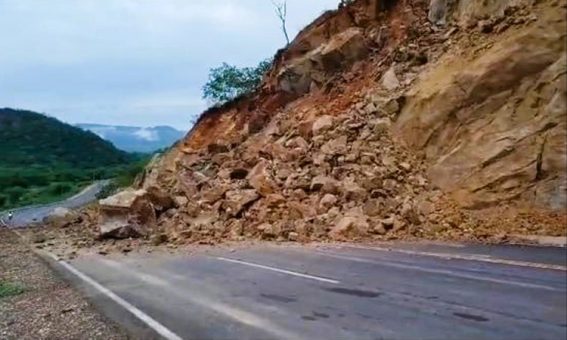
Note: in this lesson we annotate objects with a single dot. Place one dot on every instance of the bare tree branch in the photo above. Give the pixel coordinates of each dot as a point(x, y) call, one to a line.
point(281, 12)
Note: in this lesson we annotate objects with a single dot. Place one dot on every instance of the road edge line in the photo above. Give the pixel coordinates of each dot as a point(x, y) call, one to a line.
point(477, 258)
point(52, 259)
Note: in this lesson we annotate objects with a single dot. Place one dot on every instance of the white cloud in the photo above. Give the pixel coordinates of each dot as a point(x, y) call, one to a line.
point(131, 62)
point(147, 134)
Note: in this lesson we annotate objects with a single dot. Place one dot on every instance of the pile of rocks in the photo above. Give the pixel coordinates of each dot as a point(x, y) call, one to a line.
point(312, 173)
point(328, 177)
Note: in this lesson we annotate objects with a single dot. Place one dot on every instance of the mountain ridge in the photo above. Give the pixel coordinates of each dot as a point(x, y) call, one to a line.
point(43, 159)
point(135, 138)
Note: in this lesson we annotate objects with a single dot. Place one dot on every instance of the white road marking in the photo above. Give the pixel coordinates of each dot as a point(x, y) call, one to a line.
point(148, 320)
point(440, 271)
point(473, 257)
point(283, 271)
point(211, 303)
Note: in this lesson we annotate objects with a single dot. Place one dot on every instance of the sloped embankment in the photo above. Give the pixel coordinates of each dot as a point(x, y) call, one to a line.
point(376, 123)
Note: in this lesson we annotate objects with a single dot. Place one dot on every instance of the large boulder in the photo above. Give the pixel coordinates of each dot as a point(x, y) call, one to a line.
point(236, 200)
point(314, 67)
point(261, 179)
point(129, 213)
point(350, 226)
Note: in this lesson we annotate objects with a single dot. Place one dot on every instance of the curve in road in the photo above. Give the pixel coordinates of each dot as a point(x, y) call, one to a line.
point(27, 215)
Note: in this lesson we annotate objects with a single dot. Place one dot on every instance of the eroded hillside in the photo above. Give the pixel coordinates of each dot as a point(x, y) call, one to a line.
point(381, 119)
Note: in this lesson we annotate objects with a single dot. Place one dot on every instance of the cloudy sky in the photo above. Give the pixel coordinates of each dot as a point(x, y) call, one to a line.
point(132, 62)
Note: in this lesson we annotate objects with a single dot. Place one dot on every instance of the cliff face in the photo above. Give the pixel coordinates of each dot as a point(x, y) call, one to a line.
point(374, 122)
point(491, 120)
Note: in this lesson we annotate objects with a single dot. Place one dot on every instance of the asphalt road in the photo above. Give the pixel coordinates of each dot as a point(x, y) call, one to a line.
point(27, 215)
point(347, 292)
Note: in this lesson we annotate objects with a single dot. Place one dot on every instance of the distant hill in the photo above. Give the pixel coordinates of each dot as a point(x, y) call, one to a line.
point(43, 159)
point(30, 138)
point(136, 139)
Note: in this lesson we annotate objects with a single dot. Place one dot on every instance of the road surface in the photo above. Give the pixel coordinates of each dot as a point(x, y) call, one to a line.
point(334, 292)
point(26, 215)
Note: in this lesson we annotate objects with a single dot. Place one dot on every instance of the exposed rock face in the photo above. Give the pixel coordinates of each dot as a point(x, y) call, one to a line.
point(494, 125)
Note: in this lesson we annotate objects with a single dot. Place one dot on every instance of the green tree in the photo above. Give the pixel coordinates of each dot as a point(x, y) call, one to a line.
point(228, 82)
point(60, 188)
point(15, 193)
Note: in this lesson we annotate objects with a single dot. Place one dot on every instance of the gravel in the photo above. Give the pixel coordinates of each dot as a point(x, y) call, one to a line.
point(48, 307)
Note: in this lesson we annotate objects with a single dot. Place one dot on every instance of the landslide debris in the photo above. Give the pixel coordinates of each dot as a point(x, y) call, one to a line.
point(376, 123)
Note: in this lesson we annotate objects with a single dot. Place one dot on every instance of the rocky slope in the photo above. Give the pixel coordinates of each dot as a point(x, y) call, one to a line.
point(381, 119)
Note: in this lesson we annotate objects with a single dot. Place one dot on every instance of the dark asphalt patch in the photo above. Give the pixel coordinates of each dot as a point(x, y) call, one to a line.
point(278, 298)
point(471, 317)
point(354, 292)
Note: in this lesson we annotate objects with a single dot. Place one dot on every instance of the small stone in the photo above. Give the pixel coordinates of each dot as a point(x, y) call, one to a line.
point(269, 231)
point(158, 239)
point(381, 125)
point(38, 238)
point(378, 229)
point(370, 108)
point(485, 26)
point(293, 236)
point(390, 80)
point(353, 191)
point(328, 201)
point(214, 148)
point(406, 166)
point(324, 184)
point(337, 146)
point(372, 207)
point(388, 223)
point(322, 124)
point(67, 310)
point(399, 224)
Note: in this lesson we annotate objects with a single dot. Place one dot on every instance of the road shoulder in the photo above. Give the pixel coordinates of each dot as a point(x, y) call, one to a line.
point(45, 306)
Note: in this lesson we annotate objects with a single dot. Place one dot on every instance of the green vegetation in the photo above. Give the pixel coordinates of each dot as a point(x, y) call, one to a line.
point(10, 289)
point(44, 160)
point(228, 82)
point(125, 177)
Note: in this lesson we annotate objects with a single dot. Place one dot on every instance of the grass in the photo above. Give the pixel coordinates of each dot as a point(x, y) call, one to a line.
point(43, 160)
point(10, 289)
point(32, 195)
point(20, 186)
